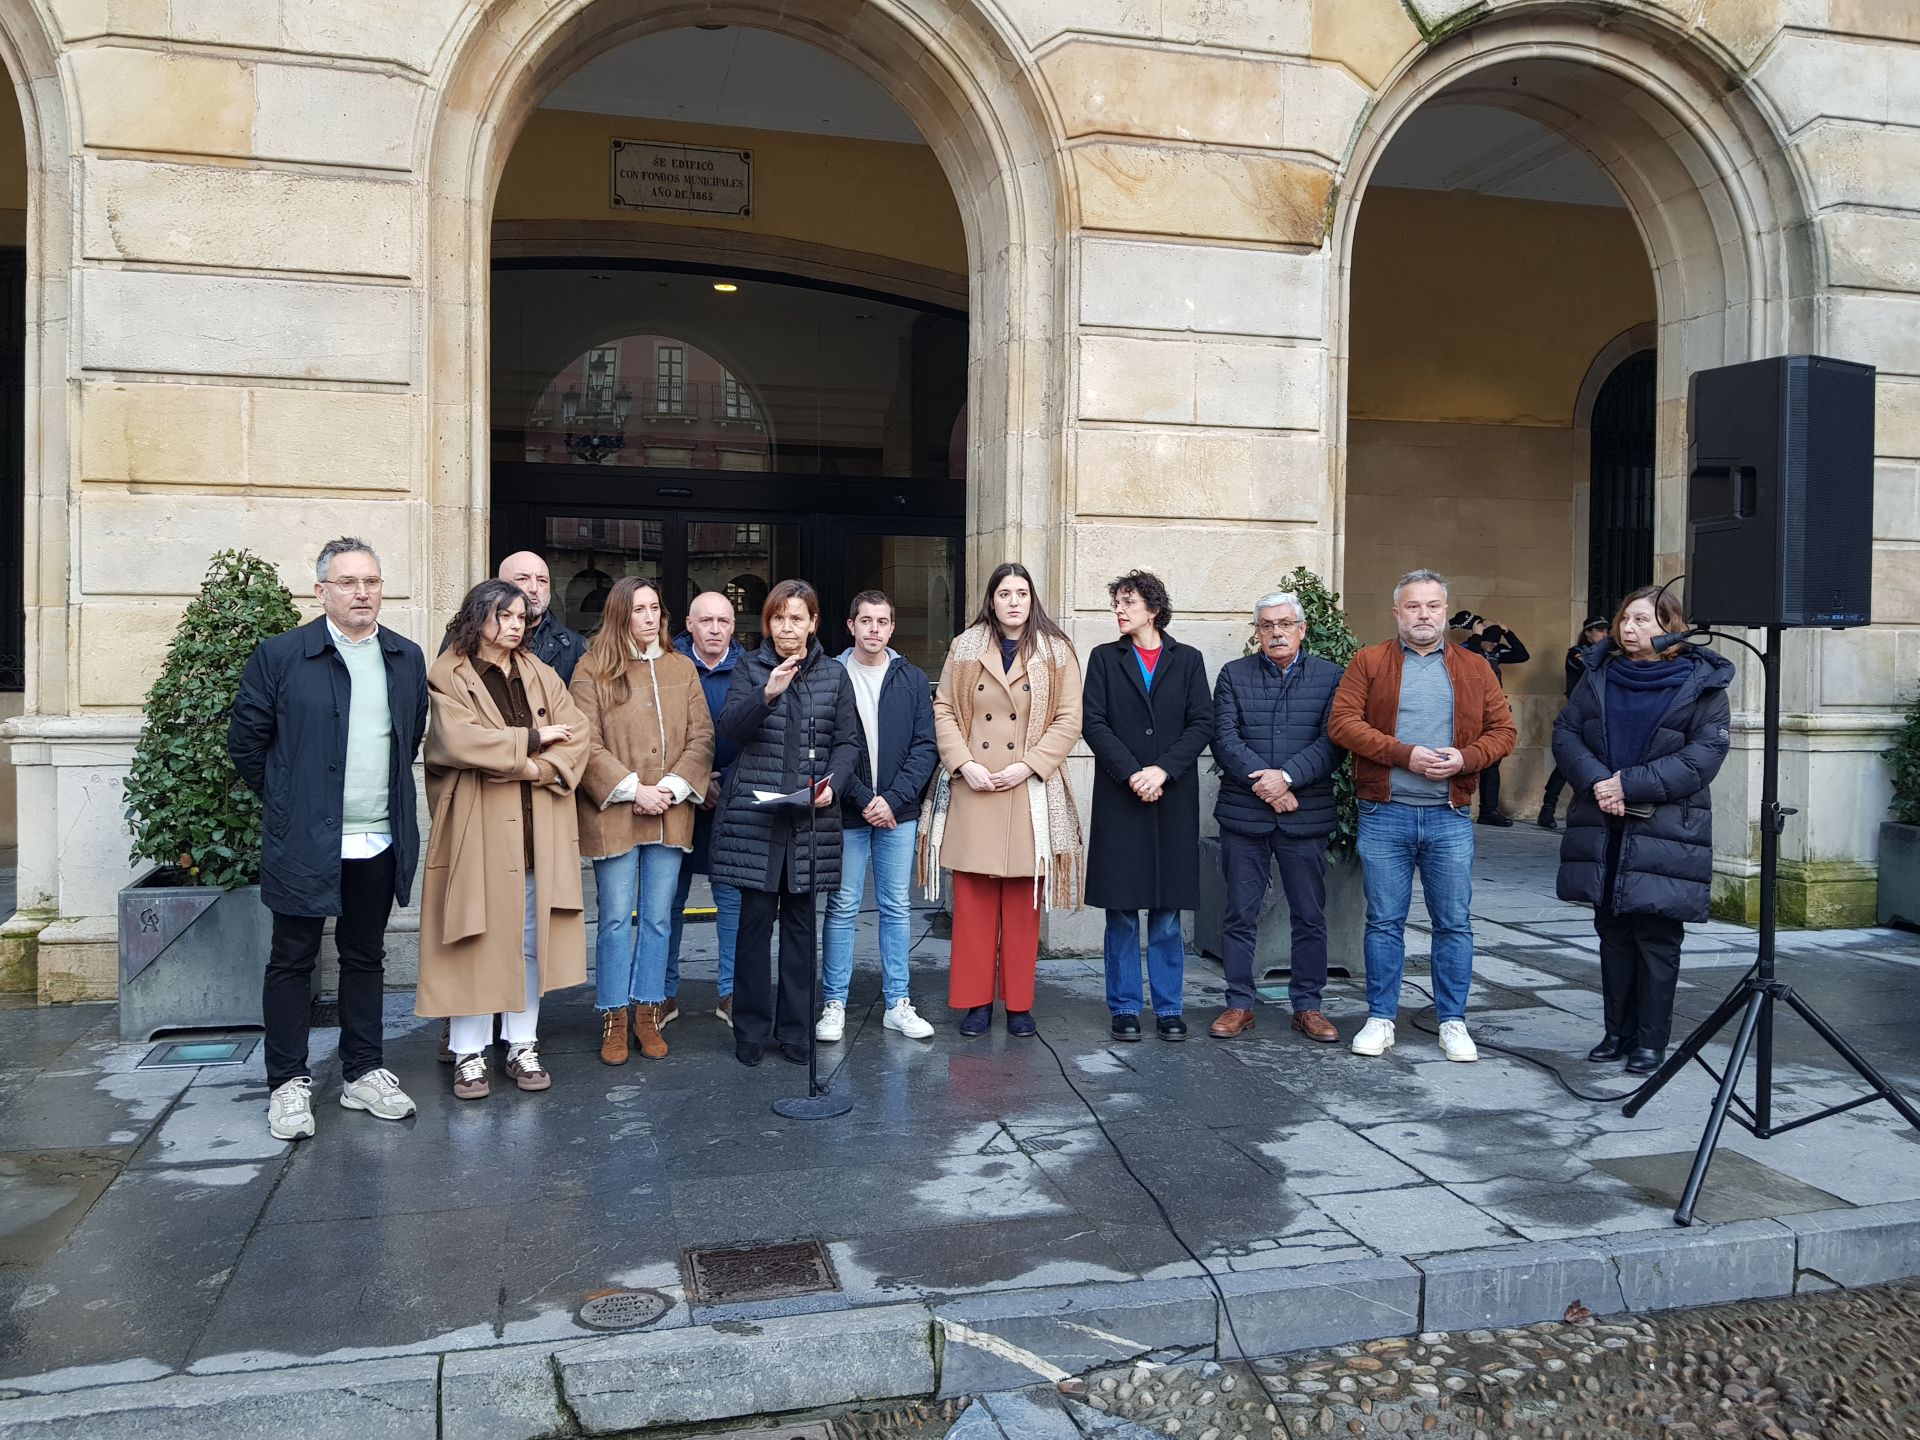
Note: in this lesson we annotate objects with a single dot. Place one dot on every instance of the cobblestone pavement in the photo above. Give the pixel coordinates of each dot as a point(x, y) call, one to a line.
point(1821, 1367)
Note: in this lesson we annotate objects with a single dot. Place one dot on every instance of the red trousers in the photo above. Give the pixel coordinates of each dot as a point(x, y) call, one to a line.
point(993, 918)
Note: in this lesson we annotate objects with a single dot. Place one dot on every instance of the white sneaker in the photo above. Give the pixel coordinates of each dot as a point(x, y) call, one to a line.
point(833, 1022)
point(1455, 1043)
point(1375, 1037)
point(378, 1093)
point(903, 1017)
point(290, 1110)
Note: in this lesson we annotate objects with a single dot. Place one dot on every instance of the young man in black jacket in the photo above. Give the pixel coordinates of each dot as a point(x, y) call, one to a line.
point(879, 816)
point(1498, 646)
point(1591, 634)
point(1275, 807)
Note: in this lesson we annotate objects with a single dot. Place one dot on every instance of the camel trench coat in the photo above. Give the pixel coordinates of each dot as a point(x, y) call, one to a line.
point(663, 727)
point(992, 833)
point(473, 899)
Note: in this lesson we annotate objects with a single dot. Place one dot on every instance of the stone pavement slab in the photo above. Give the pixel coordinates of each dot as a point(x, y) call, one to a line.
point(1326, 1194)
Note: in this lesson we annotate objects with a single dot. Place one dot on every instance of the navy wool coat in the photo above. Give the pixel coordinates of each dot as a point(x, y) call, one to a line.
point(1144, 856)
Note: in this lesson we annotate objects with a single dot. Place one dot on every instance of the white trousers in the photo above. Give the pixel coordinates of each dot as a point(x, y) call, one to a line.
point(471, 1034)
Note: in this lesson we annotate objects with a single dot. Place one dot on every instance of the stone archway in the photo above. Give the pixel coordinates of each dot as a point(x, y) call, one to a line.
point(1718, 208)
point(952, 73)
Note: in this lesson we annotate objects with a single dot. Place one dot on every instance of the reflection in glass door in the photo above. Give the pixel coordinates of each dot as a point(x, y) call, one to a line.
point(741, 558)
point(920, 574)
point(587, 554)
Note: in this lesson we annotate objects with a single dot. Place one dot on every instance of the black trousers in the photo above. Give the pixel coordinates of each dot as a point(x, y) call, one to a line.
point(1247, 860)
point(769, 1007)
point(1490, 789)
point(1639, 967)
point(360, 934)
point(1556, 782)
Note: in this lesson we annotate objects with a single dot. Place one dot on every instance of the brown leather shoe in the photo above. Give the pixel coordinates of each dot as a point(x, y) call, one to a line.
point(445, 1053)
point(470, 1077)
point(723, 1007)
point(1315, 1026)
point(1232, 1024)
point(646, 1030)
point(613, 1036)
point(669, 1013)
point(523, 1064)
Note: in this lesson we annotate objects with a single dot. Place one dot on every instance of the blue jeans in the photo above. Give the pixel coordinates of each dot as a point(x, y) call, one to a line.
point(891, 852)
point(726, 925)
point(629, 957)
point(1166, 961)
point(1396, 839)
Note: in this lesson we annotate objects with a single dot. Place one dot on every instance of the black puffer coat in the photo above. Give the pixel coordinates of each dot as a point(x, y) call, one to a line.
point(752, 843)
point(1263, 720)
point(1666, 860)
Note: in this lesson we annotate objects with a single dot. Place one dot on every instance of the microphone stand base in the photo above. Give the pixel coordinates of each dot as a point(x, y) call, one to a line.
point(813, 1107)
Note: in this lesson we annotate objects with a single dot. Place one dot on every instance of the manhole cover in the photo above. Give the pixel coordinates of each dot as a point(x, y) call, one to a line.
point(624, 1309)
point(731, 1274)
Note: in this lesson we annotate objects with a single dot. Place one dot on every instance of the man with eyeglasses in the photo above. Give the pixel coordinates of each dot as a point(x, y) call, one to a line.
point(1275, 807)
point(325, 728)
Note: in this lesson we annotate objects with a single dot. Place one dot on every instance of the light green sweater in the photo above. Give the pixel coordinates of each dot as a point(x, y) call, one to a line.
point(369, 740)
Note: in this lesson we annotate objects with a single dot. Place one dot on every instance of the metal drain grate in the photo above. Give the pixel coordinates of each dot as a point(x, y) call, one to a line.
point(624, 1309)
point(731, 1274)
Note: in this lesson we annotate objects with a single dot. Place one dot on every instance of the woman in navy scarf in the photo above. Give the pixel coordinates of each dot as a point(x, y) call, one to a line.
point(1640, 740)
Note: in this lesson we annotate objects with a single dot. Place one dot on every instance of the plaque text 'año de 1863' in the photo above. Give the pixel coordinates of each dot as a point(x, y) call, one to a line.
point(695, 179)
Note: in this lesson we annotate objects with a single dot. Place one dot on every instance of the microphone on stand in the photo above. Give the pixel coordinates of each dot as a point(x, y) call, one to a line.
point(1681, 637)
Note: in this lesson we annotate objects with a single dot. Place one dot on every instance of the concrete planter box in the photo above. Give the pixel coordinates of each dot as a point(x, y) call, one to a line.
point(1273, 947)
point(191, 957)
point(1899, 890)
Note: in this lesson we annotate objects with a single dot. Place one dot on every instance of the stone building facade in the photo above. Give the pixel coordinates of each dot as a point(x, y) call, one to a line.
point(1234, 286)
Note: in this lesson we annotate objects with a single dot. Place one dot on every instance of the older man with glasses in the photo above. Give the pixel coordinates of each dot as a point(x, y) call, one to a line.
point(1275, 807)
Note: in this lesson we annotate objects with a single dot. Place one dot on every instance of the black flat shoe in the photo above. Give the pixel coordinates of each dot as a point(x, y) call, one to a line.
point(1171, 1027)
point(1497, 820)
point(976, 1022)
point(793, 1054)
point(1020, 1023)
point(1610, 1048)
point(1547, 821)
point(749, 1054)
point(1125, 1027)
point(1645, 1062)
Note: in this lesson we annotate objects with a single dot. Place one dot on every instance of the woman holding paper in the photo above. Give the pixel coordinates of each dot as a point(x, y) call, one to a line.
point(791, 711)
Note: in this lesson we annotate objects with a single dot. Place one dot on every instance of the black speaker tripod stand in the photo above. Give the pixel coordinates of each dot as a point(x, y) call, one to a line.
point(1754, 999)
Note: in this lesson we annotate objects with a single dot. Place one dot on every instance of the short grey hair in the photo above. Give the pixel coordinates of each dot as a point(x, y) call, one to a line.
point(1275, 598)
point(1422, 577)
point(345, 545)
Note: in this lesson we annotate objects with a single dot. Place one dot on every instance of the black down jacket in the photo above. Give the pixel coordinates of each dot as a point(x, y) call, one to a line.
point(288, 740)
point(1144, 856)
point(1666, 860)
point(752, 843)
point(1263, 720)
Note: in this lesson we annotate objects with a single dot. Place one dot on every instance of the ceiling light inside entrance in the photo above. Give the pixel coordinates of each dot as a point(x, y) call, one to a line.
point(725, 287)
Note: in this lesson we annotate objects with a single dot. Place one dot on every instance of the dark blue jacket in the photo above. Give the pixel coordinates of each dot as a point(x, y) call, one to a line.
point(1263, 720)
point(288, 739)
point(908, 750)
point(554, 643)
point(1666, 860)
point(713, 684)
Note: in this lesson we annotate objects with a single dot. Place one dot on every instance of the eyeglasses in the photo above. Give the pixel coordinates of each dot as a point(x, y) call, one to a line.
point(1271, 627)
point(355, 587)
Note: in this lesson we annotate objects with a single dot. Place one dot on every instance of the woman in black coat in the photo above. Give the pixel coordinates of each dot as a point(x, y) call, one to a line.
point(1640, 740)
point(790, 709)
point(1146, 715)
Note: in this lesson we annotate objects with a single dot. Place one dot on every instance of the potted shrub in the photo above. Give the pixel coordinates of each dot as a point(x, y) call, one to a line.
point(1329, 637)
point(1899, 887)
point(193, 933)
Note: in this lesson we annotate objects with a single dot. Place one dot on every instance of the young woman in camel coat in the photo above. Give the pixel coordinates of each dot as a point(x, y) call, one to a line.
point(1006, 714)
point(500, 908)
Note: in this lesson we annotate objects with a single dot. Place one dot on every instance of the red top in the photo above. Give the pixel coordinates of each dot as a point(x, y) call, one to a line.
point(1148, 658)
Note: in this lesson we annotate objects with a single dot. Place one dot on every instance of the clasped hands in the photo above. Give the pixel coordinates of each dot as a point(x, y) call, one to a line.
point(1441, 762)
point(979, 778)
point(1271, 786)
point(1611, 795)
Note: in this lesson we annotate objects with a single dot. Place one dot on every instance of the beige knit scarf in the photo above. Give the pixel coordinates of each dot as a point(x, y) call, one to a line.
point(1057, 846)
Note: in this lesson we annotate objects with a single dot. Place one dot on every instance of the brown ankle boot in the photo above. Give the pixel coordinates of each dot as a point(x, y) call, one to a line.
point(613, 1036)
point(646, 1030)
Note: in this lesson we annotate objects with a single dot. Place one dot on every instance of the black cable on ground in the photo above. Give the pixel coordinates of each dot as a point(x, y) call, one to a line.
point(1535, 1060)
point(1213, 1281)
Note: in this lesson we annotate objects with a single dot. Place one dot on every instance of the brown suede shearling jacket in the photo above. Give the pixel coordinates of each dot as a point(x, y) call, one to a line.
point(1366, 709)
